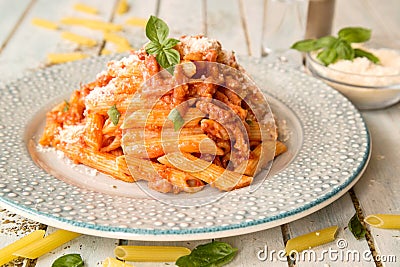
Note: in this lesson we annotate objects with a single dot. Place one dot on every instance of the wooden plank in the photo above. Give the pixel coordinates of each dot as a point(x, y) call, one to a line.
point(27, 50)
point(224, 24)
point(338, 213)
point(183, 17)
point(10, 14)
point(380, 188)
point(93, 250)
point(253, 18)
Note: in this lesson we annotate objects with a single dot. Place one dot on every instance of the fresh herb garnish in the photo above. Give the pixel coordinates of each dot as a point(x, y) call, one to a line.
point(212, 254)
point(335, 48)
point(114, 114)
point(69, 260)
point(160, 45)
point(66, 107)
point(356, 227)
point(176, 118)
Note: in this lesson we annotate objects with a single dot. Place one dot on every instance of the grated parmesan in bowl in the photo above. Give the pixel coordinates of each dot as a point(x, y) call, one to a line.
point(366, 84)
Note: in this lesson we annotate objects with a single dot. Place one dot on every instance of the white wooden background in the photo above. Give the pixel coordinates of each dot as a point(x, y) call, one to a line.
point(237, 24)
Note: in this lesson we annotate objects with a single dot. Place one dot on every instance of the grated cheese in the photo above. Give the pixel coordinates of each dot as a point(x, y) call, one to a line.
point(79, 39)
point(71, 133)
point(44, 23)
point(193, 44)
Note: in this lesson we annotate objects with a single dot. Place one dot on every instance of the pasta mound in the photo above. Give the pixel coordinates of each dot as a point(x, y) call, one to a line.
point(90, 128)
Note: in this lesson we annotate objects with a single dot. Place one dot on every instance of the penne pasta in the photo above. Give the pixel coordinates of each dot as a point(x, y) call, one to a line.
point(150, 253)
point(57, 58)
point(208, 172)
point(7, 253)
point(385, 221)
point(91, 23)
point(46, 244)
point(139, 22)
point(93, 131)
point(79, 39)
point(156, 147)
point(311, 240)
point(44, 23)
point(85, 8)
point(112, 262)
point(122, 7)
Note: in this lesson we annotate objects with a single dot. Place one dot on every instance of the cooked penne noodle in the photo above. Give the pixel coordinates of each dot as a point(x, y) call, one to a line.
point(311, 240)
point(385, 221)
point(57, 58)
point(6, 253)
point(159, 118)
point(44, 23)
point(280, 148)
point(208, 172)
point(156, 147)
point(101, 106)
point(91, 23)
point(85, 8)
point(79, 39)
point(256, 130)
point(46, 244)
point(93, 131)
point(147, 170)
point(112, 262)
point(150, 253)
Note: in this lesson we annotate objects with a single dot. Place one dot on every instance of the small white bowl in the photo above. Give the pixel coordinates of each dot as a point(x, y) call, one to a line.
point(366, 91)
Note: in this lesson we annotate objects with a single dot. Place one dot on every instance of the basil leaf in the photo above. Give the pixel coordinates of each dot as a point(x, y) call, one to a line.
point(69, 260)
point(344, 50)
point(213, 254)
point(170, 43)
point(156, 30)
point(114, 114)
point(66, 107)
point(168, 58)
point(325, 42)
point(153, 48)
point(327, 56)
point(176, 118)
point(356, 227)
point(355, 34)
point(305, 45)
point(362, 53)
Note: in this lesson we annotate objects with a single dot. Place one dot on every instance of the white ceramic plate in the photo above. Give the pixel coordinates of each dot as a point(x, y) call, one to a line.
point(329, 148)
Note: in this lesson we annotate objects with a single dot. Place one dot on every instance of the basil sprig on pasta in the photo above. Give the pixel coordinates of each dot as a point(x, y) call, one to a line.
point(332, 49)
point(160, 45)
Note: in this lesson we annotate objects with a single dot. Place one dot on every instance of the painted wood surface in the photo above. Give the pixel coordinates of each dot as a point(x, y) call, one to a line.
point(238, 25)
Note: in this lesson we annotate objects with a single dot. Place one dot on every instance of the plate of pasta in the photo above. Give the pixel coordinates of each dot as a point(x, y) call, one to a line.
point(211, 147)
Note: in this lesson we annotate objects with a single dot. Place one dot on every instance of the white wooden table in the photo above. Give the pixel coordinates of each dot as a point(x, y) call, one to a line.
point(237, 24)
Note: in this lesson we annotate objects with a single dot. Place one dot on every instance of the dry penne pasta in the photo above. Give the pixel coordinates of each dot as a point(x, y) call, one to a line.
point(7, 253)
point(46, 244)
point(122, 7)
point(91, 23)
point(57, 58)
point(112, 262)
point(79, 39)
point(85, 8)
point(150, 253)
point(311, 240)
point(44, 23)
point(139, 22)
point(385, 221)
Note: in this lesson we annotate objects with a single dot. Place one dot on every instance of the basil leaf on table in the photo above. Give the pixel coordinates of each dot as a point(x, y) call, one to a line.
point(69, 260)
point(356, 228)
point(362, 53)
point(355, 34)
point(213, 254)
